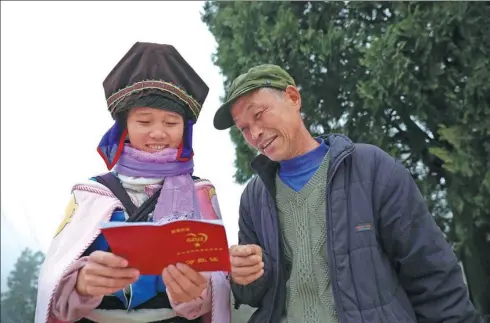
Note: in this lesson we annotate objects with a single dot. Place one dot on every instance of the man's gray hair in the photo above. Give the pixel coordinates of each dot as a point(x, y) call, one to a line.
point(273, 90)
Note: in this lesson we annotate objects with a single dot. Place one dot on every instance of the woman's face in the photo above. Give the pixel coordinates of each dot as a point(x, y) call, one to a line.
point(153, 130)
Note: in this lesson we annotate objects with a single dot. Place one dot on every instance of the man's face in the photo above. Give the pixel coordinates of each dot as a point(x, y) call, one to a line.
point(269, 121)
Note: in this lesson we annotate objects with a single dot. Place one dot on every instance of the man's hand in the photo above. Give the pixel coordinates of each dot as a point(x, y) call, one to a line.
point(104, 274)
point(183, 283)
point(246, 263)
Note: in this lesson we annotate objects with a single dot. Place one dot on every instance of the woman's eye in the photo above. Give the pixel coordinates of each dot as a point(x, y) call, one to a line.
point(143, 121)
point(171, 123)
point(258, 115)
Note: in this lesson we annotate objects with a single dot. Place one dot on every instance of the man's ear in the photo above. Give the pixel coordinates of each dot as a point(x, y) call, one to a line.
point(293, 95)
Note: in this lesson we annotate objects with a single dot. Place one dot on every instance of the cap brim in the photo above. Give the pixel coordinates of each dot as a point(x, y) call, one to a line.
point(222, 118)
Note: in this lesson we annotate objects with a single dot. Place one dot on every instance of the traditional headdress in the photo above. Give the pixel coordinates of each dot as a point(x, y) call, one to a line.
point(156, 76)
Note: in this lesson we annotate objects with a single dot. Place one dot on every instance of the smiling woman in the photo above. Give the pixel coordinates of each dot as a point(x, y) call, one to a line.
point(153, 130)
point(155, 98)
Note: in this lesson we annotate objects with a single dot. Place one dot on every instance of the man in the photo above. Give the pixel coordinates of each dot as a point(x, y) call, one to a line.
point(331, 231)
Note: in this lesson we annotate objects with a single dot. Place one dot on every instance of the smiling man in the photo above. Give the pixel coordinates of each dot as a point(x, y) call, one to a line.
point(331, 231)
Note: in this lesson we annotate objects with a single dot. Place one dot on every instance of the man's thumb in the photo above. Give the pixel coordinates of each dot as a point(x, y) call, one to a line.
point(256, 250)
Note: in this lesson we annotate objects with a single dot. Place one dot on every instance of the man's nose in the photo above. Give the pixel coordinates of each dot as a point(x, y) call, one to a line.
point(256, 132)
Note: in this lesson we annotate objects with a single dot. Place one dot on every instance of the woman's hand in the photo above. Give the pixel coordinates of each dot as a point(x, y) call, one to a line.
point(104, 274)
point(183, 283)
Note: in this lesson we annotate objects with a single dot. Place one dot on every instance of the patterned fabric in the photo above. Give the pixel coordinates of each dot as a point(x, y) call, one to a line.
point(188, 100)
point(302, 220)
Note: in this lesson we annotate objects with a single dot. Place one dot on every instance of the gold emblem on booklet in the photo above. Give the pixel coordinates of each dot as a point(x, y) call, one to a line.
point(197, 239)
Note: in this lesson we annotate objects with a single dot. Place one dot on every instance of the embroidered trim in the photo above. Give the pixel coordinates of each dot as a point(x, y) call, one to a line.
point(82, 187)
point(48, 312)
point(154, 84)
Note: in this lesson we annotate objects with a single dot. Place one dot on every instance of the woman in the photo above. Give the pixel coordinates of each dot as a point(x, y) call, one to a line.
point(155, 98)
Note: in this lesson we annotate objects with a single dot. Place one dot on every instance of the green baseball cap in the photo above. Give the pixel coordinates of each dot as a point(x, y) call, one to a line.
point(266, 75)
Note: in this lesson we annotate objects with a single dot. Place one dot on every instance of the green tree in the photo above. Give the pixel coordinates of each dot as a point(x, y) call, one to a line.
point(19, 301)
point(410, 78)
point(438, 58)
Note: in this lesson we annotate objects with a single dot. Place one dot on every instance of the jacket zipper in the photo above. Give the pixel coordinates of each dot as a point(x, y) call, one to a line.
point(330, 257)
point(107, 218)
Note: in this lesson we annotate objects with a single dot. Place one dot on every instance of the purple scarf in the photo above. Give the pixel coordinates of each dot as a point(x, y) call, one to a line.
point(177, 198)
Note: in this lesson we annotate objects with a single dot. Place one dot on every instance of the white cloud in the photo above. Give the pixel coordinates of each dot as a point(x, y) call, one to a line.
point(55, 56)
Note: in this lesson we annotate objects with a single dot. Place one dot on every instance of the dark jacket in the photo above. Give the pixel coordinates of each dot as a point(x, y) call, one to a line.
point(388, 258)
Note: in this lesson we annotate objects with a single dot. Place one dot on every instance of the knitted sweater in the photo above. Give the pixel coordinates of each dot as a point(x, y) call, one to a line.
point(302, 218)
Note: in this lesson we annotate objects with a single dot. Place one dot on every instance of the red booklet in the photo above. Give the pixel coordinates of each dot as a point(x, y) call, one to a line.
point(150, 247)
